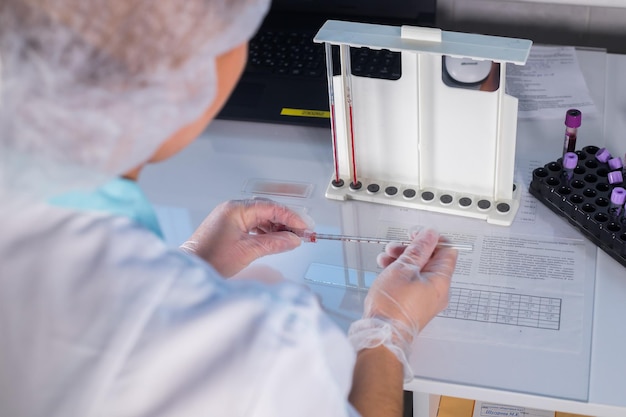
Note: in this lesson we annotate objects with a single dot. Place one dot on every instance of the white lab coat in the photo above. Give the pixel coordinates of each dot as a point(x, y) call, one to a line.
point(99, 318)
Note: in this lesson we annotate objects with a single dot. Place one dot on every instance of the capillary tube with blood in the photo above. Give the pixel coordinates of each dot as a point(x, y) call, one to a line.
point(313, 237)
point(337, 182)
point(346, 71)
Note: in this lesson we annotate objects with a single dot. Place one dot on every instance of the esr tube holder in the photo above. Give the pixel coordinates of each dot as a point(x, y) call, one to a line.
point(418, 142)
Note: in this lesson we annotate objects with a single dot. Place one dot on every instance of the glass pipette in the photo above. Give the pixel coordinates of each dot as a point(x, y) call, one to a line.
point(314, 237)
point(333, 116)
point(346, 72)
point(309, 236)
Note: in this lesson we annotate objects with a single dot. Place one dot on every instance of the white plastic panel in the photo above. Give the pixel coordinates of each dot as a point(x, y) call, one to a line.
point(418, 141)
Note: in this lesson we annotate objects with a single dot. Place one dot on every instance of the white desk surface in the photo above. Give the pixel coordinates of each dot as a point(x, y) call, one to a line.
point(216, 167)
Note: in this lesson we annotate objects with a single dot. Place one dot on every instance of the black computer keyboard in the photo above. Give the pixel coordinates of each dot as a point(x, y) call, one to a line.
point(294, 54)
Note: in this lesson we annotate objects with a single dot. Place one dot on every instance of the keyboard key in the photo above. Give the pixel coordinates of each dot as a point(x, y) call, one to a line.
point(295, 54)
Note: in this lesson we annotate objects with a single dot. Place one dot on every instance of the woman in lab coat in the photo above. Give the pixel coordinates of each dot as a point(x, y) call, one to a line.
point(97, 316)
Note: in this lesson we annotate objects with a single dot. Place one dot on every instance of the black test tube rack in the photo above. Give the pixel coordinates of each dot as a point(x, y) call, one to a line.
point(585, 202)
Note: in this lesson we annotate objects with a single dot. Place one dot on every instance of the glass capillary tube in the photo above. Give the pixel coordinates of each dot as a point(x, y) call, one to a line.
point(346, 72)
point(314, 237)
point(310, 236)
point(331, 102)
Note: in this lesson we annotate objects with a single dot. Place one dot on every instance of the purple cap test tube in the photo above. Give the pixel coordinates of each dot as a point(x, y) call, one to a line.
point(570, 160)
point(615, 163)
point(618, 196)
point(615, 177)
point(603, 155)
point(573, 119)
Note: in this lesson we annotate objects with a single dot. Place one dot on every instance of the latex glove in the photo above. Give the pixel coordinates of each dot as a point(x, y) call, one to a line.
point(238, 232)
point(408, 293)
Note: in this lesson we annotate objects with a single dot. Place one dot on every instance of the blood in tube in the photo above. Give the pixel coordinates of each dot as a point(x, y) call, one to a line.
point(346, 71)
point(572, 123)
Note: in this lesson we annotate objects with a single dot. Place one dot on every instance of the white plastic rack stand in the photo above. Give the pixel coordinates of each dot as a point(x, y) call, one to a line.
point(421, 141)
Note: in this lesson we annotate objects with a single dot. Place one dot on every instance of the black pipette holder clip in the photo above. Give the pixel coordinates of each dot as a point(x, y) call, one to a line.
point(585, 201)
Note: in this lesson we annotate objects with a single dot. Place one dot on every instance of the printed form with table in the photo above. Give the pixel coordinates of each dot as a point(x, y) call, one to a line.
point(519, 327)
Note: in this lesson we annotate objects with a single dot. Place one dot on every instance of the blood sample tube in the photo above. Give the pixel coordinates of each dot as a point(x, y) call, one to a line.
point(615, 177)
point(616, 207)
point(572, 123)
point(570, 160)
point(615, 163)
point(603, 155)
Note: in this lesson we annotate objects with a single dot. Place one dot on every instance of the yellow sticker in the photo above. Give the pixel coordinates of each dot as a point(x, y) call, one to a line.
point(305, 113)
